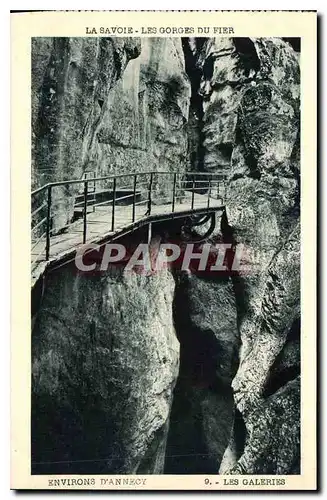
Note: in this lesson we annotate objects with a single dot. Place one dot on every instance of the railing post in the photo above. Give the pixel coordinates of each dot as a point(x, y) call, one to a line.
point(48, 231)
point(113, 206)
point(225, 192)
point(85, 211)
point(193, 186)
point(134, 198)
point(174, 192)
point(150, 193)
point(209, 192)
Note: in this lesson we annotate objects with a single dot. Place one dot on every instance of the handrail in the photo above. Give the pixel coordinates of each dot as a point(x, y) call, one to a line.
point(146, 185)
point(108, 177)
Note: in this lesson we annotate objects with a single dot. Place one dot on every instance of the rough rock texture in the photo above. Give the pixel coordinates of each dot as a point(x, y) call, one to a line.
point(105, 362)
point(275, 422)
point(230, 69)
point(144, 127)
point(250, 90)
point(71, 82)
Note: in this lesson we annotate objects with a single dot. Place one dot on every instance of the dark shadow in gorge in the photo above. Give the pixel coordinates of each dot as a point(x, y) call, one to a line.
point(203, 409)
point(287, 365)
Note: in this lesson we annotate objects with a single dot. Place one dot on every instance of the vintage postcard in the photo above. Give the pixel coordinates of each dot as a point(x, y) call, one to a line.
point(164, 201)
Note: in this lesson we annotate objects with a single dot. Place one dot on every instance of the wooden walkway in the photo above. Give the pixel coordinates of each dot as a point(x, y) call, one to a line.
point(99, 225)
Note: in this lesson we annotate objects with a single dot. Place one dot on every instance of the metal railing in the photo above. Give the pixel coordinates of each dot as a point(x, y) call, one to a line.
point(58, 206)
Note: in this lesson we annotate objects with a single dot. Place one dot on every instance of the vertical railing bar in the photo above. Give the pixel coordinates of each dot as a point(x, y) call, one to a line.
point(209, 192)
point(48, 230)
point(134, 198)
point(193, 186)
point(150, 194)
point(174, 192)
point(85, 211)
point(113, 206)
point(94, 192)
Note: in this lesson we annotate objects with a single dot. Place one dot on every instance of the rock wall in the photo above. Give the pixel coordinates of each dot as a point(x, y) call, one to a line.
point(104, 364)
point(144, 128)
point(250, 90)
point(71, 82)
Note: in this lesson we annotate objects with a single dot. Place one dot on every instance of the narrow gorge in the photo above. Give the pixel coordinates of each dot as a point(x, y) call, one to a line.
point(174, 372)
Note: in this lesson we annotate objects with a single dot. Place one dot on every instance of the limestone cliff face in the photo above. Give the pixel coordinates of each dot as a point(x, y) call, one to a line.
point(71, 81)
point(144, 127)
point(250, 90)
point(107, 349)
point(104, 364)
point(273, 434)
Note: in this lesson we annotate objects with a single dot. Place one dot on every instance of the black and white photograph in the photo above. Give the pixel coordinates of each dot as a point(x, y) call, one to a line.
point(189, 141)
point(166, 294)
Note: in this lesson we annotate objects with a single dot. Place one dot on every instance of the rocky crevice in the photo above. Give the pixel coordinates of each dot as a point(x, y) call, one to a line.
point(202, 411)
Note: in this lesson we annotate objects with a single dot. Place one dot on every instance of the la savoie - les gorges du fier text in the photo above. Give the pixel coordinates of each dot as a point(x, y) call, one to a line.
point(162, 30)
